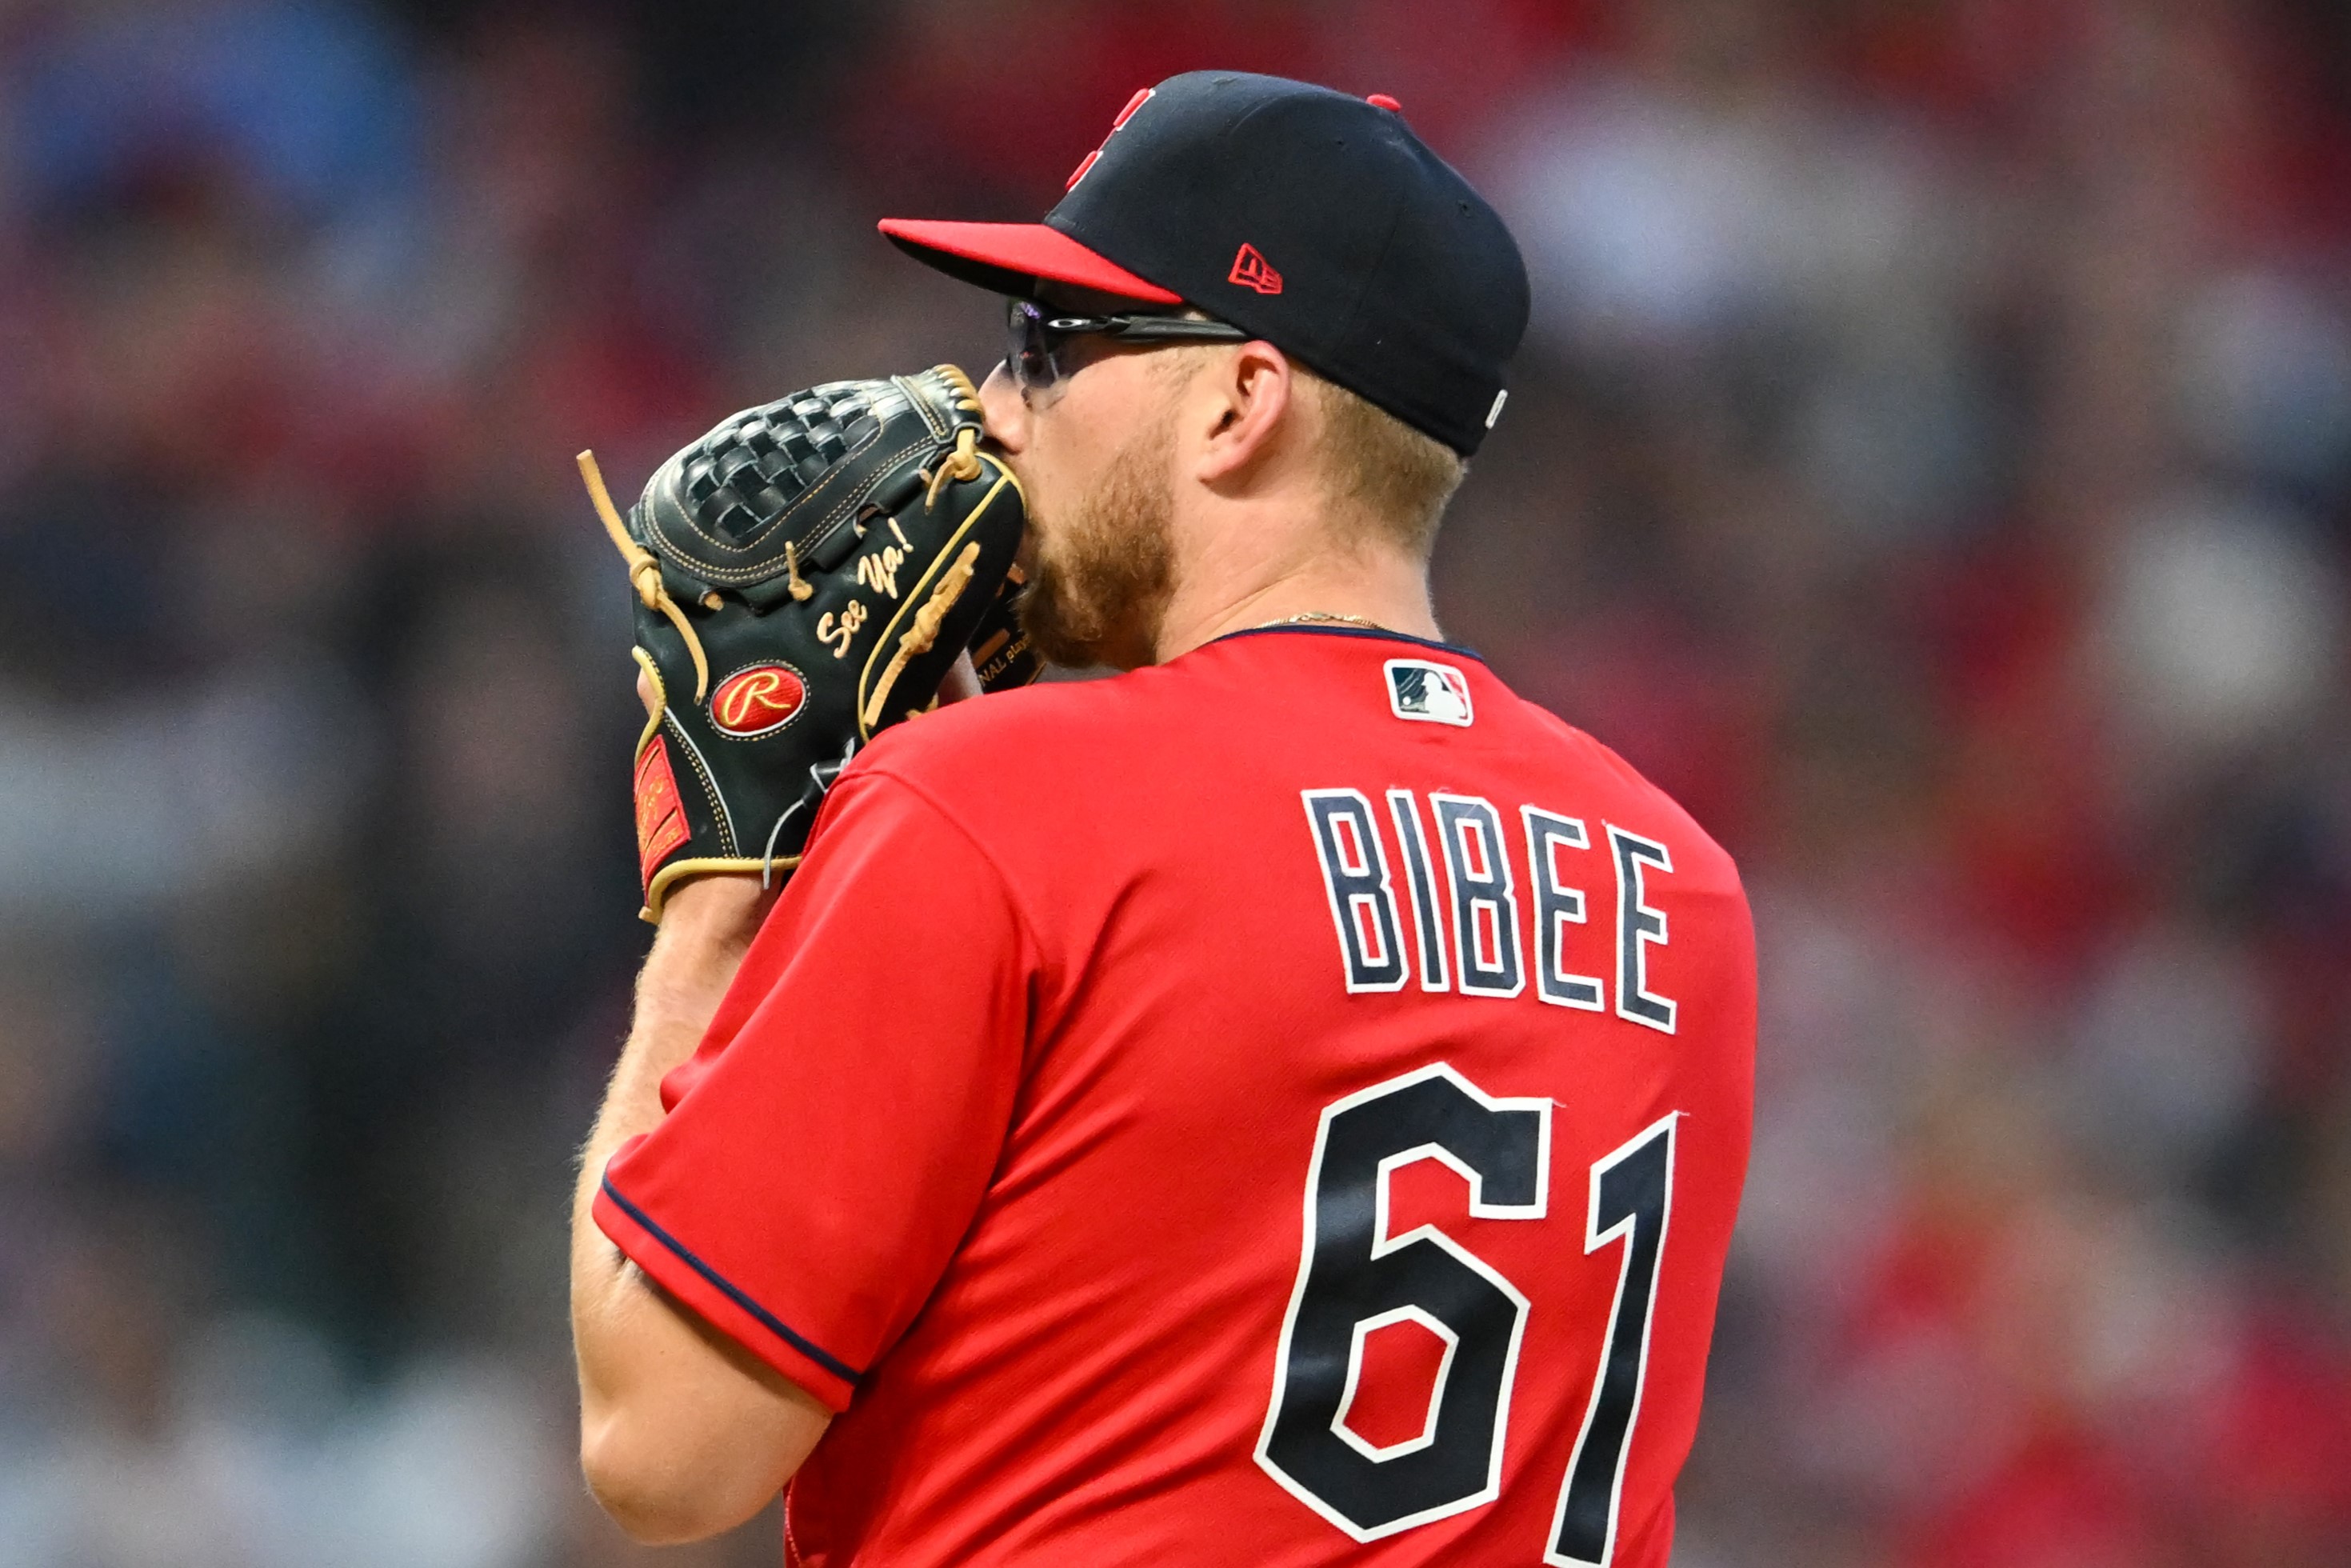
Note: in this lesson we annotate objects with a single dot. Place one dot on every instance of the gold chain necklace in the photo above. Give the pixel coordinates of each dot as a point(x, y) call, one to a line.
point(1312, 617)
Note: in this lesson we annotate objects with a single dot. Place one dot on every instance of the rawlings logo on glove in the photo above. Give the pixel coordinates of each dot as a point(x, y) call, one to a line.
point(758, 701)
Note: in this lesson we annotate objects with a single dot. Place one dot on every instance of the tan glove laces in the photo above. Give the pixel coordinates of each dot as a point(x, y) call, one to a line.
point(645, 572)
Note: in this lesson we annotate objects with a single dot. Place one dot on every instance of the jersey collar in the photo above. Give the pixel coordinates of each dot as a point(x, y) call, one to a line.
point(1380, 635)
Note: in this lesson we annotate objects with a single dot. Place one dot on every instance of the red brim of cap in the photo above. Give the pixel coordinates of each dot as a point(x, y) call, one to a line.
point(1009, 258)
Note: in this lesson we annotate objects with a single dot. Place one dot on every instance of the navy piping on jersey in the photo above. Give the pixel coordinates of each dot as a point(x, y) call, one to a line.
point(840, 1369)
point(1380, 635)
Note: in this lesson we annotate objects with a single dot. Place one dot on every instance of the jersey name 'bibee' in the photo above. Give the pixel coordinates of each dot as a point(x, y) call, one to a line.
point(1471, 916)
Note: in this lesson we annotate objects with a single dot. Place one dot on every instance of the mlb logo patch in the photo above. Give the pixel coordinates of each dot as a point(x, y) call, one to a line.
point(1432, 692)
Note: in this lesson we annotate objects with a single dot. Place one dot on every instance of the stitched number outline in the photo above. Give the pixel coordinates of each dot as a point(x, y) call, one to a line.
point(1354, 1277)
point(1351, 1273)
point(1631, 1200)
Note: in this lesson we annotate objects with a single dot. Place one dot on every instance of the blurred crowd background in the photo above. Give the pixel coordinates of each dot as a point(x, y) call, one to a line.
point(1931, 461)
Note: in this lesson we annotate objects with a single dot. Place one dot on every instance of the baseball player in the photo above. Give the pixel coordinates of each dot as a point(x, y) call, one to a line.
point(1285, 1104)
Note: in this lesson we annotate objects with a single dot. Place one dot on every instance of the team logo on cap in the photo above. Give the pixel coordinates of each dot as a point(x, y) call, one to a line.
point(1085, 165)
point(1251, 270)
point(1431, 693)
point(758, 700)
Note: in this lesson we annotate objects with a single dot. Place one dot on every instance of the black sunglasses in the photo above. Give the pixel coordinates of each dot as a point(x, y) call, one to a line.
point(1031, 336)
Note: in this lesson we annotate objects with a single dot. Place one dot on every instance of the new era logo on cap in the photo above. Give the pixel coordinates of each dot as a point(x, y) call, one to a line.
point(1251, 270)
point(1428, 691)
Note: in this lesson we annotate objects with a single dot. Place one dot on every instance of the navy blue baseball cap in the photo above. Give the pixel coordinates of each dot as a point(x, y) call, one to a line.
point(1314, 220)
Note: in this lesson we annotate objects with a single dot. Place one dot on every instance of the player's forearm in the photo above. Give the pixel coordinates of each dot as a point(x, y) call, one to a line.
point(707, 927)
point(642, 1359)
point(704, 934)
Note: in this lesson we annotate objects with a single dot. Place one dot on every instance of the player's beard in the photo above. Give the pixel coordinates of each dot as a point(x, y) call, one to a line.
point(1105, 564)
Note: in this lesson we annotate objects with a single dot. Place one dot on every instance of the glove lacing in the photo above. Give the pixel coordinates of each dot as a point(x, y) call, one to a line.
point(645, 572)
point(963, 463)
point(924, 631)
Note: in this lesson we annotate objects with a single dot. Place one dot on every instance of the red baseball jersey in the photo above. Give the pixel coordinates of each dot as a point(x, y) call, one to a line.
point(1284, 1106)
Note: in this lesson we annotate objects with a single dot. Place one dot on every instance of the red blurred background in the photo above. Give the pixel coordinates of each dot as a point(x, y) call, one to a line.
point(1931, 460)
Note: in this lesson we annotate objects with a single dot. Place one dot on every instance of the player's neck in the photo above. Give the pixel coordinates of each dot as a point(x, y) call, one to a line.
point(1387, 589)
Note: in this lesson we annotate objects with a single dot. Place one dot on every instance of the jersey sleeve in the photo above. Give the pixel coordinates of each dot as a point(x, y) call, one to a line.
point(828, 1144)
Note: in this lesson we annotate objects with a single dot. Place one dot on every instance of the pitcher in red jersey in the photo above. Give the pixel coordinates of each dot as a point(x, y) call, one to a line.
point(1286, 1103)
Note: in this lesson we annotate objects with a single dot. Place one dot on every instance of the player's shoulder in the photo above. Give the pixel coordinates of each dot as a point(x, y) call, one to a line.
point(1634, 803)
point(1055, 727)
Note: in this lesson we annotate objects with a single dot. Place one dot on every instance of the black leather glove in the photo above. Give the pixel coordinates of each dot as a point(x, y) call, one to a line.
point(806, 575)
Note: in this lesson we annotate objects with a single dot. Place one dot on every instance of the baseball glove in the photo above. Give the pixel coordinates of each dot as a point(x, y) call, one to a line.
point(806, 575)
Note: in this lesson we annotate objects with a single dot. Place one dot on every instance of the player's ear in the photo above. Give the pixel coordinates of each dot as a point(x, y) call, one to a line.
point(1245, 396)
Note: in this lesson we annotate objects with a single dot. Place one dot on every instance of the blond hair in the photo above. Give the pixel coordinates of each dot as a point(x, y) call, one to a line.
point(1382, 470)
point(1379, 472)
